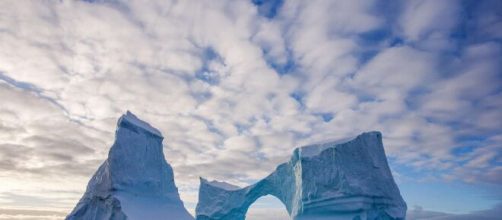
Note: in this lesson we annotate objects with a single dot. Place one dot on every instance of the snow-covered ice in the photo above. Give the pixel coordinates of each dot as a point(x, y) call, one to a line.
point(349, 181)
point(135, 182)
point(333, 180)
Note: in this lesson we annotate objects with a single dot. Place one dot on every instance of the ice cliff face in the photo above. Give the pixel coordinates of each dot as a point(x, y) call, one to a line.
point(350, 181)
point(135, 182)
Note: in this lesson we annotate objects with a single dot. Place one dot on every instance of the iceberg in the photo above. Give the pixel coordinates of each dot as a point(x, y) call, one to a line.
point(346, 181)
point(135, 182)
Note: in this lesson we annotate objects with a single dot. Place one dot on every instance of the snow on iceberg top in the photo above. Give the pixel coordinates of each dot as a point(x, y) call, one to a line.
point(130, 118)
point(316, 149)
point(221, 184)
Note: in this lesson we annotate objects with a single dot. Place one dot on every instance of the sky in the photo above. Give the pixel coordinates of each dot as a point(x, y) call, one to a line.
point(235, 86)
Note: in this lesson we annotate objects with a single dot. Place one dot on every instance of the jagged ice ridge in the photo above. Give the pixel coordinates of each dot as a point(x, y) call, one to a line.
point(135, 182)
point(346, 181)
point(349, 181)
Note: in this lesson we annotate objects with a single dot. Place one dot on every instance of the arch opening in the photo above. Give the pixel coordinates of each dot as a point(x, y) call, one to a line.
point(267, 208)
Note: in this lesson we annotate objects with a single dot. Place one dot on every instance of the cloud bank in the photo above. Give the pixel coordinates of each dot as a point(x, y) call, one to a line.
point(234, 86)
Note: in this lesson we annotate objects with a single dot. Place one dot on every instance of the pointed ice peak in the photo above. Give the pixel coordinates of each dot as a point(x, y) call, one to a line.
point(129, 119)
point(135, 181)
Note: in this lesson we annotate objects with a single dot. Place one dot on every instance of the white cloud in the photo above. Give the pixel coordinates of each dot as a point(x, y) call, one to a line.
point(68, 69)
point(424, 18)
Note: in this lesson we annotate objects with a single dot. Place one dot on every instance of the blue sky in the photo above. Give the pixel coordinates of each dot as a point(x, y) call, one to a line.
point(244, 83)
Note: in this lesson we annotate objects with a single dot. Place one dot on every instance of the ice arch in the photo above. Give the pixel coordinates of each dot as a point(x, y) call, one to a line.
point(233, 202)
point(349, 180)
point(267, 208)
